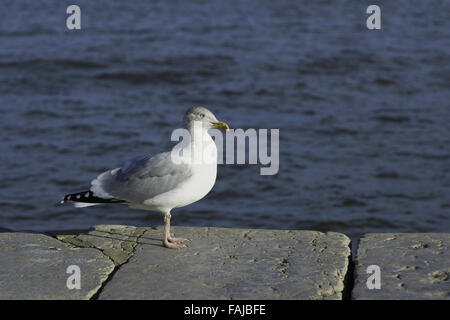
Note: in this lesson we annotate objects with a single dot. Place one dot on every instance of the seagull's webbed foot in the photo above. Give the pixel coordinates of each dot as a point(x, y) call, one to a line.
point(169, 241)
point(173, 245)
point(177, 240)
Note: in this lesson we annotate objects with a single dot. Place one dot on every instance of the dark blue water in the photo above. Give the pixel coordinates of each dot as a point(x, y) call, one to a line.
point(364, 116)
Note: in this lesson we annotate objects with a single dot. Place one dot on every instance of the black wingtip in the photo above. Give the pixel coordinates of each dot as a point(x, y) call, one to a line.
point(87, 197)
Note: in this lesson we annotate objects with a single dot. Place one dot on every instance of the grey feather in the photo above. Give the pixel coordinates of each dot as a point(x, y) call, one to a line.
point(141, 178)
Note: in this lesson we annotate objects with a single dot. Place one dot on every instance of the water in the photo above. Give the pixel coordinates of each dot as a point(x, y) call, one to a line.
point(363, 115)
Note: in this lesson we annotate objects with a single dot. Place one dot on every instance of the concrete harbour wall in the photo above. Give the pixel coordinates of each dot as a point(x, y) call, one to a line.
point(126, 262)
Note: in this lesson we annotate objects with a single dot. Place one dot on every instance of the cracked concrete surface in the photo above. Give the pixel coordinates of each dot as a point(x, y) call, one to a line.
point(126, 262)
point(33, 266)
point(115, 241)
point(221, 263)
point(413, 266)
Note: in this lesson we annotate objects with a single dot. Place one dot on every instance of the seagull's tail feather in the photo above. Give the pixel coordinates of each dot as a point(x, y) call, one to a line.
point(84, 204)
point(87, 199)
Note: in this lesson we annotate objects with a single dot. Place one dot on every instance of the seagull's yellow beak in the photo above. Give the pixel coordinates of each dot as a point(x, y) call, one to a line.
point(221, 125)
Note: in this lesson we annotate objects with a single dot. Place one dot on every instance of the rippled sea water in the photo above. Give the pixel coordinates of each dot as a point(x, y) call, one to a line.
point(364, 116)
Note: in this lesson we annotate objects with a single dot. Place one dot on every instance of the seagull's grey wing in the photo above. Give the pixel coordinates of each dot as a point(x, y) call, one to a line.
point(141, 178)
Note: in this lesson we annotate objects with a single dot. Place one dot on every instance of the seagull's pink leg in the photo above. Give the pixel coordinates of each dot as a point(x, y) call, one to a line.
point(169, 242)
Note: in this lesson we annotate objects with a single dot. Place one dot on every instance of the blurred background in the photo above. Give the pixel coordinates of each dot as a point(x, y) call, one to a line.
point(364, 116)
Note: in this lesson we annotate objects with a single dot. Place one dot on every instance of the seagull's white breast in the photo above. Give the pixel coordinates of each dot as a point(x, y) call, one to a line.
point(203, 178)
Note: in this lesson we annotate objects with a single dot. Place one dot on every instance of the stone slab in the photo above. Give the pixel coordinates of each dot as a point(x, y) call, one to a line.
point(412, 266)
point(222, 263)
point(34, 266)
point(115, 241)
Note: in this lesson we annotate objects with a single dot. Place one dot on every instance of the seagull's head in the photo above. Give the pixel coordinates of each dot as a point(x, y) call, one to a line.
point(205, 117)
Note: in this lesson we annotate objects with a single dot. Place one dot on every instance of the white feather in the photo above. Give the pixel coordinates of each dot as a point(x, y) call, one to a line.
point(84, 204)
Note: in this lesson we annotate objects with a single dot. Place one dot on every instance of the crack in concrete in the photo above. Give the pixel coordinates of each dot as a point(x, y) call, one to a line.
point(72, 241)
point(137, 234)
point(117, 257)
point(129, 243)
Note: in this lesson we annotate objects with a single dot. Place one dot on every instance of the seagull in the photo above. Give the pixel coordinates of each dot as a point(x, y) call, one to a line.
point(164, 181)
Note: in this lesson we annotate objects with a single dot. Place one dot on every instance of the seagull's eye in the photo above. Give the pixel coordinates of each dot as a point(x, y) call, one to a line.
point(202, 115)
